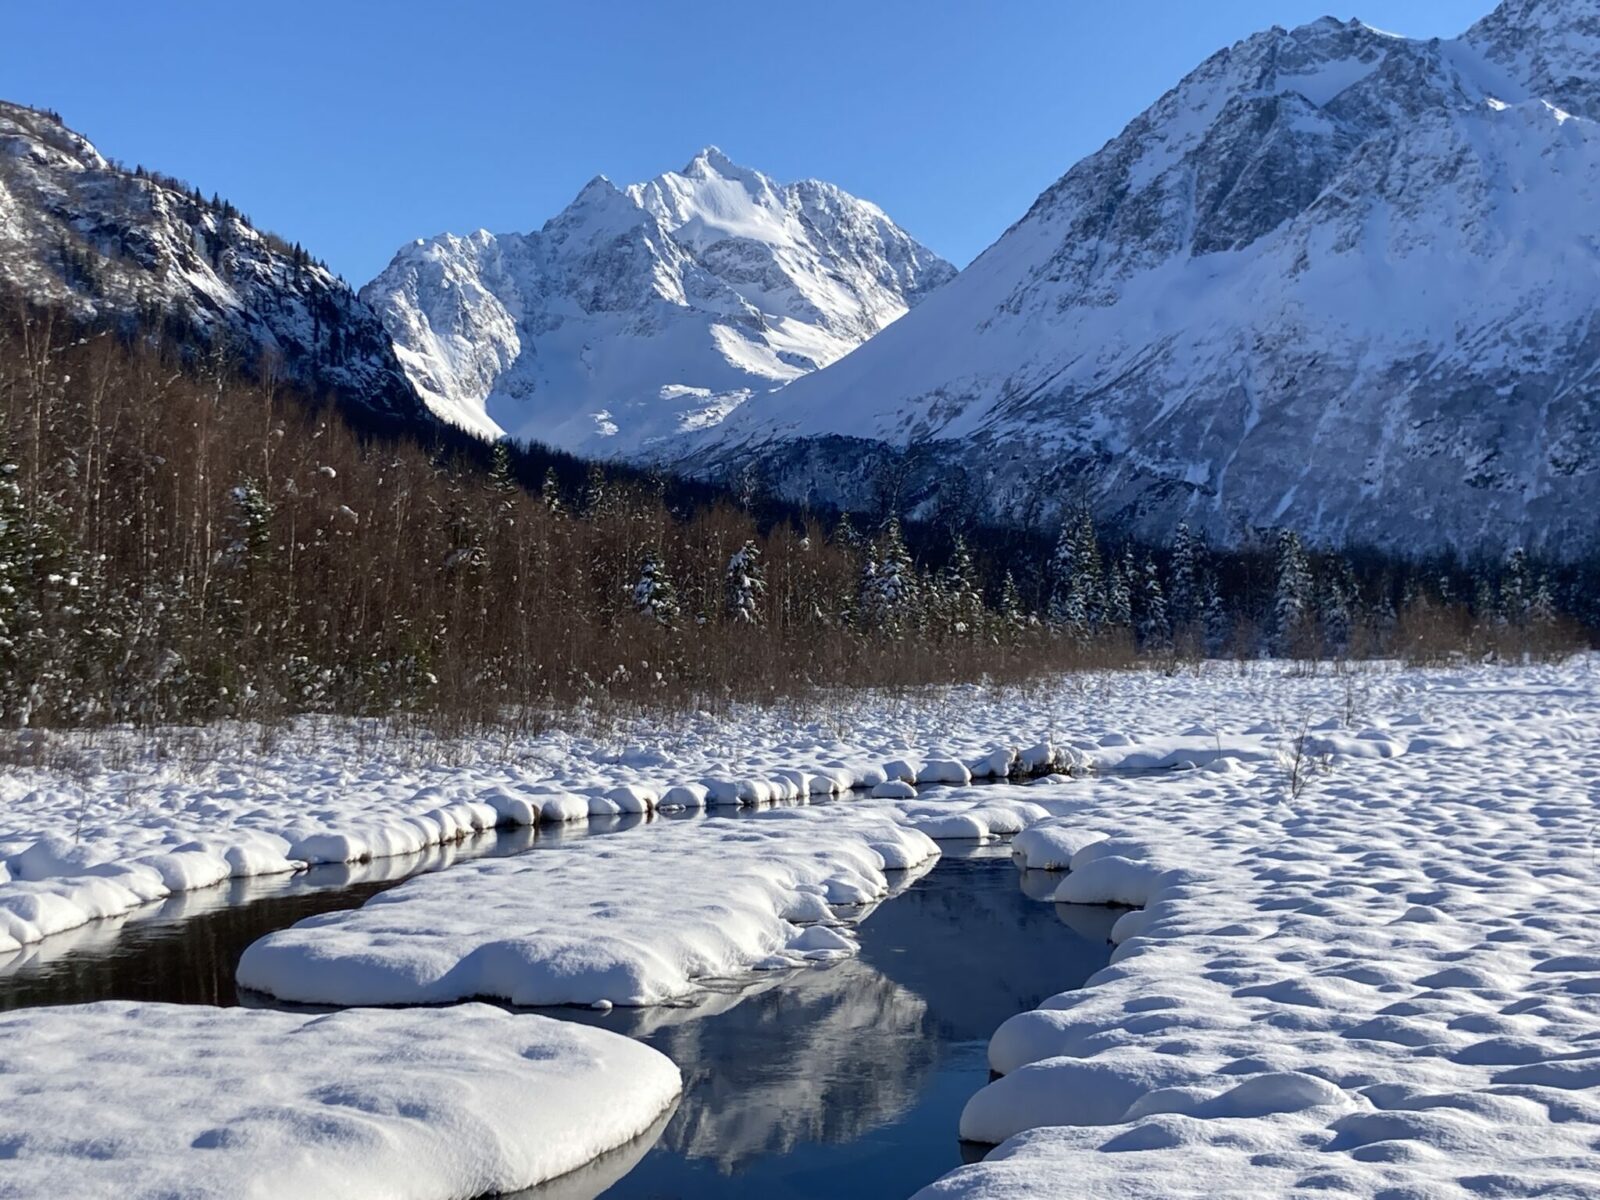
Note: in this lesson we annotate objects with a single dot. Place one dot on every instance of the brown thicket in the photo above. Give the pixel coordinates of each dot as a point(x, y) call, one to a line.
point(184, 544)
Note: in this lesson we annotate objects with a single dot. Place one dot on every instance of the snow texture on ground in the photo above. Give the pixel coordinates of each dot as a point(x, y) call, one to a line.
point(1386, 986)
point(1382, 984)
point(138, 1101)
point(634, 920)
point(195, 808)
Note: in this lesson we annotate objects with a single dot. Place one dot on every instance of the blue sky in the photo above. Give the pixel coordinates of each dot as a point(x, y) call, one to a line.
point(354, 126)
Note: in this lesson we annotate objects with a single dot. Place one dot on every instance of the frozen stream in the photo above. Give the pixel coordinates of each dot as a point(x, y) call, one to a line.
point(845, 1080)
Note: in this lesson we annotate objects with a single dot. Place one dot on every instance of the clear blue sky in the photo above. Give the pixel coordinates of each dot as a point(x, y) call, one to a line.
point(354, 126)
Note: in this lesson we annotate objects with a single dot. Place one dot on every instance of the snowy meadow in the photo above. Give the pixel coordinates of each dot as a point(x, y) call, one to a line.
point(1357, 949)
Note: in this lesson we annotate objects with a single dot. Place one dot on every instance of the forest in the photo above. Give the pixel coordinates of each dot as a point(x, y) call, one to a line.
point(181, 540)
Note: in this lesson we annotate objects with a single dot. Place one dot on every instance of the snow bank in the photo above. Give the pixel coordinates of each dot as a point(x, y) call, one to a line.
point(1385, 986)
point(634, 921)
point(146, 1100)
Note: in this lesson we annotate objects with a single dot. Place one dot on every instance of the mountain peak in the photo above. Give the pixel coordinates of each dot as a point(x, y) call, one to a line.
point(712, 163)
point(1551, 46)
point(639, 313)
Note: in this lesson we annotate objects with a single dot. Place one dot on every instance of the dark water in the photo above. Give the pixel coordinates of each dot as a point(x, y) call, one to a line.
point(841, 1081)
point(849, 1081)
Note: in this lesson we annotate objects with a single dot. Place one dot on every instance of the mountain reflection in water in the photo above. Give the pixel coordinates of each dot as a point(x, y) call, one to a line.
point(848, 1080)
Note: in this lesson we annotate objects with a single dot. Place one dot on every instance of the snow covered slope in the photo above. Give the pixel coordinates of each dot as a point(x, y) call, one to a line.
point(1335, 279)
point(78, 229)
point(643, 312)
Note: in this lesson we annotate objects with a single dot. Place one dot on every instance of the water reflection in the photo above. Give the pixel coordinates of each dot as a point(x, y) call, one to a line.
point(849, 1080)
point(845, 1080)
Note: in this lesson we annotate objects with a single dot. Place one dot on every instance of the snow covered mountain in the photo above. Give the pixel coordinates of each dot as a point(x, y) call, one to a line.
point(643, 312)
point(1336, 279)
point(79, 230)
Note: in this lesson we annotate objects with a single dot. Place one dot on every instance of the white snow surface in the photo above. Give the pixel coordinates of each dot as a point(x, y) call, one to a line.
point(1387, 986)
point(640, 313)
point(85, 843)
point(147, 1101)
point(632, 920)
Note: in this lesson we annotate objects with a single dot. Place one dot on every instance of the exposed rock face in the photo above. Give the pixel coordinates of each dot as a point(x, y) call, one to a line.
point(79, 230)
point(1336, 280)
point(639, 314)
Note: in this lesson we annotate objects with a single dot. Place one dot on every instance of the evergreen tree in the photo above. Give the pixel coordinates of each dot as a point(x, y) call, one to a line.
point(744, 585)
point(1077, 580)
point(502, 476)
point(890, 603)
point(845, 533)
point(1516, 588)
point(596, 493)
point(550, 492)
point(1218, 627)
point(1013, 617)
point(1337, 599)
point(653, 593)
point(1118, 613)
point(962, 598)
point(250, 523)
point(1152, 608)
point(1291, 597)
point(1183, 594)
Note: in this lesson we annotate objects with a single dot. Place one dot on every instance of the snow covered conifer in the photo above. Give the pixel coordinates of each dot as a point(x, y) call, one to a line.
point(251, 522)
point(960, 594)
point(745, 584)
point(890, 600)
point(1152, 607)
point(1292, 597)
point(502, 477)
point(1077, 581)
point(1218, 628)
point(1013, 618)
point(1119, 600)
point(1183, 591)
point(653, 593)
point(1516, 588)
point(550, 492)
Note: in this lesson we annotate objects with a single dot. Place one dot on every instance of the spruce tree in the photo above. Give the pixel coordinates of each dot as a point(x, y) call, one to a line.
point(1154, 630)
point(1183, 594)
point(1291, 597)
point(960, 593)
point(550, 492)
point(745, 584)
point(1118, 612)
point(1516, 588)
point(653, 593)
point(891, 605)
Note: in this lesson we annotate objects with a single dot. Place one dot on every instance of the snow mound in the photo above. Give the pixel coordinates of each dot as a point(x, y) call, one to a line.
point(1383, 986)
point(147, 1100)
point(574, 928)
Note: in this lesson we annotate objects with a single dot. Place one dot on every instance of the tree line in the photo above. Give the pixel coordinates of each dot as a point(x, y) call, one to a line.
point(182, 542)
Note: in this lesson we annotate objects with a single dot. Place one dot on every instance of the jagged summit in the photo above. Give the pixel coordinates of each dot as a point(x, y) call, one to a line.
point(1335, 279)
point(120, 245)
point(641, 312)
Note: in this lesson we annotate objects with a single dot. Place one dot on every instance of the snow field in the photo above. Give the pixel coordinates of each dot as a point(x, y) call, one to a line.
point(631, 921)
point(1386, 987)
point(138, 1101)
point(80, 848)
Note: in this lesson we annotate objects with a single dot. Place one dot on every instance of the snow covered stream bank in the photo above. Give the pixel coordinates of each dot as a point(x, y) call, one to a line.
point(630, 921)
point(1363, 963)
point(1386, 986)
point(142, 1100)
